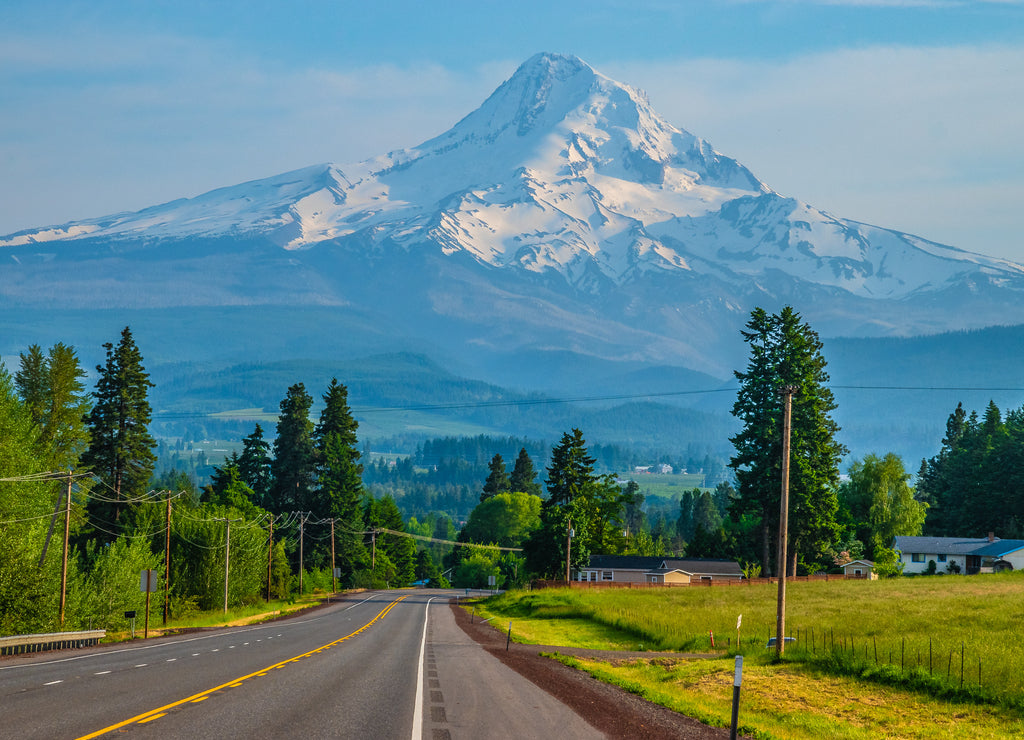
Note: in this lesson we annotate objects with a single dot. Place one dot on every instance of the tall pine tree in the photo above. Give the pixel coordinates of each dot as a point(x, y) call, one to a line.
point(254, 466)
point(294, 453)
point(784, 351)
point(524, 477)
point(339, 473)
point(120, 451)
point(497, 479)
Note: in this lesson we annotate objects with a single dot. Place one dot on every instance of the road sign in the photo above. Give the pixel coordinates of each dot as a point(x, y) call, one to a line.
point(148, 580)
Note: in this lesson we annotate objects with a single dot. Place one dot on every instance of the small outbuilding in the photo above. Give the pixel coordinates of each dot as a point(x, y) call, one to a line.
point(860, 569)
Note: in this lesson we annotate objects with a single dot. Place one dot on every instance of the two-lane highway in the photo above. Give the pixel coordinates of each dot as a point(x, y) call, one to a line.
point(369, 667)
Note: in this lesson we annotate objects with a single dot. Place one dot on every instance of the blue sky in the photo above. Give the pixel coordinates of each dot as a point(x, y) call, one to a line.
point(903, 113)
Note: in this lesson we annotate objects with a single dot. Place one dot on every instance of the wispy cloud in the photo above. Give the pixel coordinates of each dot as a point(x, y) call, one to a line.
point(920, 139)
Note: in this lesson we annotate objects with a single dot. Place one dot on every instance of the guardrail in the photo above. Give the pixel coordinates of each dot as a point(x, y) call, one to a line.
point(18, 644)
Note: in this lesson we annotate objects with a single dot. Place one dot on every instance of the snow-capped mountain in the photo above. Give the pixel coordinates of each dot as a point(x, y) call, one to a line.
point(562, 214)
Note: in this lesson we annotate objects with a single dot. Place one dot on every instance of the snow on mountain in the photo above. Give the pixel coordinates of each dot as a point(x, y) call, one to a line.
point(561, 169)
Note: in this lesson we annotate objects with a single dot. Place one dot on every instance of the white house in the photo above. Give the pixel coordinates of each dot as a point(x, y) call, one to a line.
point(968, 555)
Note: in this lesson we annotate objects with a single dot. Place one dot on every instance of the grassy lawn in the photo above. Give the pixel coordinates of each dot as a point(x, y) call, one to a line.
point(872, 659)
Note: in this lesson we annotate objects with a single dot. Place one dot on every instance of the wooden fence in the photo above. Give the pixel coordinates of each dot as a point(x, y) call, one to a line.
point(696, 583)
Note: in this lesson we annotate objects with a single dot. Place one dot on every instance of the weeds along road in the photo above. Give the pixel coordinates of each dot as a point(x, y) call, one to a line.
point(389, 664)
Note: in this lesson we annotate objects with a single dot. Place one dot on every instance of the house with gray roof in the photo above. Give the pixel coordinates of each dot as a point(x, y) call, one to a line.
point(968, 555)
point(625, 569)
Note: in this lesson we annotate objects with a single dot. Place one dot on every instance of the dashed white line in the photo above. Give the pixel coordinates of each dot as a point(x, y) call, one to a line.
point(142, 665)
point(51, 683)
point(171, 660)
point(101, 673)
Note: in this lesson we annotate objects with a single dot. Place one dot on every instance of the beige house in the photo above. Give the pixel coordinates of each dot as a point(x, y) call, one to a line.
point(657, 570)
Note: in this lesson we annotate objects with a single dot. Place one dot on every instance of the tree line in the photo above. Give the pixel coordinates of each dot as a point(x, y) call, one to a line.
point(289, 511)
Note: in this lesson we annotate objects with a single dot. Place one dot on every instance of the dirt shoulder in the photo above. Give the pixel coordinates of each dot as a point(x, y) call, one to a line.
point(610, 709)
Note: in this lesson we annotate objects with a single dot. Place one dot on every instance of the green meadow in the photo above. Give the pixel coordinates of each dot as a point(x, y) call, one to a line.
point(927, 657)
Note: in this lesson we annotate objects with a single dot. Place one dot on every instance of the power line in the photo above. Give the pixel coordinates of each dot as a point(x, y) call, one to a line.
point(445, 542)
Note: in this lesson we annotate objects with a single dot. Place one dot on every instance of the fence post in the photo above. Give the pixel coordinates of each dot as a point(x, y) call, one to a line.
point(736, 683)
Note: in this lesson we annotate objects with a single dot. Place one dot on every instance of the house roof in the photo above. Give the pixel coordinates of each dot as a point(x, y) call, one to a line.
point(693, 566)
point(868, 563)
point(958, 546)
point(999, 548)
point(705, 566)
point(626, 562)
point(941, 545)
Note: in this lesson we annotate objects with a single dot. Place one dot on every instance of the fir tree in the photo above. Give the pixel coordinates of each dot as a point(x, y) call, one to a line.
point(784, 351)
point(339, 490)
point(64, 433)
point(524, 477)
point(497, 479)
point(30, 381)
point(254, 466)
point(120, 451)
point(574, 503)
point(293, 464)
point(54, 394)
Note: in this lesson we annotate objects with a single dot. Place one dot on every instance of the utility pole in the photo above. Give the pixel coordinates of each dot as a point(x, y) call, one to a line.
point(568, 551)
point(64, 564)
point(270, 558)
point(302, 527)
point(227, 559)
point(334, 577)
point(373, 551)
point(167, 563)
point(787, 392)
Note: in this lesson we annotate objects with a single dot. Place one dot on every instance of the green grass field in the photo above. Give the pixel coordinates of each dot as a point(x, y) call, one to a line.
point(910, 655)
point(666, 486)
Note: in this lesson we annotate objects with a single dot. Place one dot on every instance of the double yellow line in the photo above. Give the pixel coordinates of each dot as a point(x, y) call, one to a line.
point(203, 695)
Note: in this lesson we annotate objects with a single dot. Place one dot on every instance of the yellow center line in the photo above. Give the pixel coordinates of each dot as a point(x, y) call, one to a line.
point(161, 711)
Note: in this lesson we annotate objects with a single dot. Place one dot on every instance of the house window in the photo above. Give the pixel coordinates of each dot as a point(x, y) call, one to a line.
point(857, 572)
point(593, 575)
point(917, 557)
point(705, 578)
point(942, 558)
point(606, 575)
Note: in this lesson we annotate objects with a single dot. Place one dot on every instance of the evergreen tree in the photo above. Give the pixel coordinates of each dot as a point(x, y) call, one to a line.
point(784, 351)
point(339, 491)
point(30, 381)
point(398, 551)
point(576, 501)
point(120, 451)
point(336, 418)
point(633, 503)
point(524, 477)
point(254, 466)
point(294, 453)
point(52, 390)
point(497, 479)
point(228, 488)
point(63, 431)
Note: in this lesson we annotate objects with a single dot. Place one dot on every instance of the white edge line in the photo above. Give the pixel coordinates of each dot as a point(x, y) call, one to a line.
point(417, 715)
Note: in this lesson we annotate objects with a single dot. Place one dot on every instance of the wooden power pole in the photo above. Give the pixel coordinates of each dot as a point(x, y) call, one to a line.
point(167, 562)
point(270, 558)
point(64, 565)
point(787, 392)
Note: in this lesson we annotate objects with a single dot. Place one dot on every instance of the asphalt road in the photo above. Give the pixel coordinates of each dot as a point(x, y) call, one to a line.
point(380, 665)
